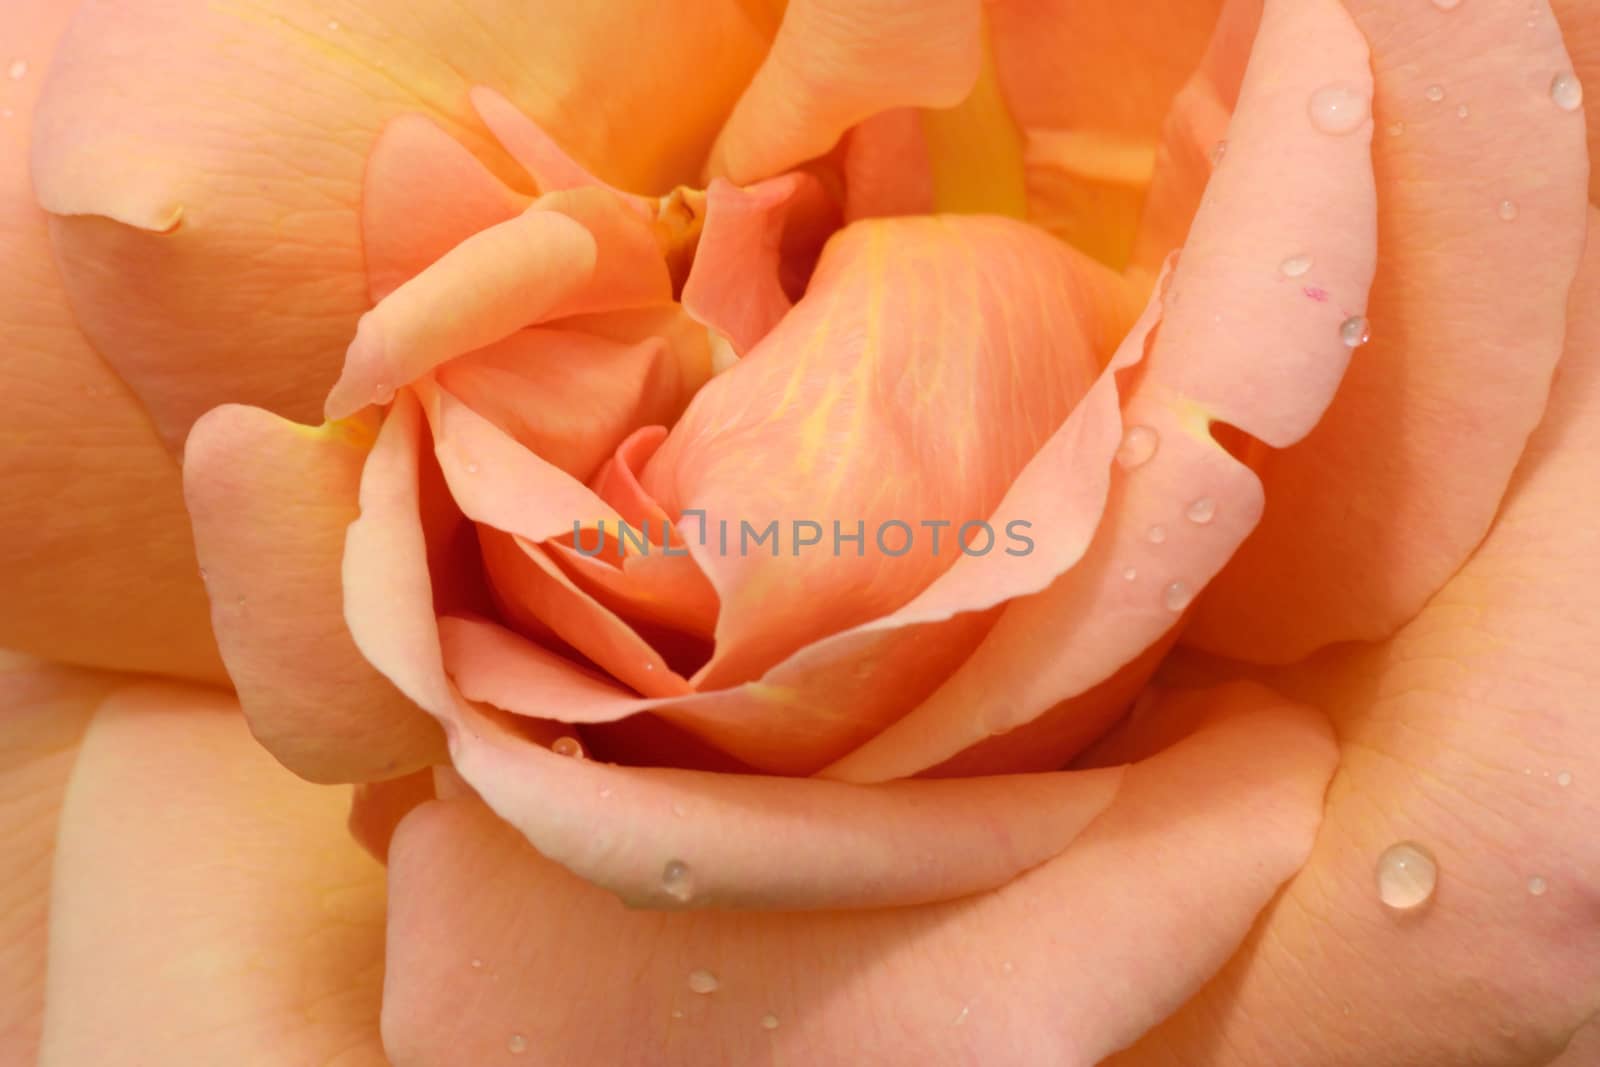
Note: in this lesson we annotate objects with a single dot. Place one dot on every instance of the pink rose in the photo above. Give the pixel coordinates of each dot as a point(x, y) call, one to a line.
point(776, 468)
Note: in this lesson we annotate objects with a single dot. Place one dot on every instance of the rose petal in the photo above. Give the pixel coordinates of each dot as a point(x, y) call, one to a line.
point(250, 136)
point(1237, 344)
point(1471, 732)
point(1369, 516)
point(271, 500)
point(835, 63)
point(95, 557)
point(235, 883)
point(376, 809)
point(44, 710)
point(1580, 30)
point(976, 980)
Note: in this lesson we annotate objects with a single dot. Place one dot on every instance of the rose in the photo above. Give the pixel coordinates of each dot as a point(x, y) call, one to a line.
point(261, 646)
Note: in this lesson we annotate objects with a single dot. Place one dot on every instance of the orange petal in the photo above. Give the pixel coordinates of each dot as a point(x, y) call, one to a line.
point(1238, 344)
point(95, 556)
point(1369, 516)
point(1471, 732)
point(376, 809)
point(251, 135)
point(835, 63)
point(1088, 85)
point(261, 916)
point(1075, 954)
point(906, 352)
point(270, 500)
point(44, 710)
point(1580, 30)
point(886, 167)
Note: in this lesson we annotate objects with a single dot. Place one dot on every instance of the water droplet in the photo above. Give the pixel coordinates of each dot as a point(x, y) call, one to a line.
point(649, 666)
point(567, 746)
point(1407, 874)
point(769, 1021)
point(1176, 596)
point(1507, 210)
point(203, 575)
point(703, 982)
point(1294, 266)
point(1565, 90)
point(1446, 5)
point(516, 1044)
point(472, 468)
point(1202, 510)
point(605, 791)
point(1396, 128)
point(1008, 967)
point(1434, 93)
point(1463, 111)
point(333, 24)
point(1130, 574)
point(19, 69)
point(1156, 534)
point(1338, 108)
point(677, 880)
point(1537, 886)
point(1564, 779)
point(1218, 151)
point(1139, 443)
point(677, 1013)
point(477, 965)
point(1354, 331)
point(961, 1016)
point(382, 393)
point(677, 809)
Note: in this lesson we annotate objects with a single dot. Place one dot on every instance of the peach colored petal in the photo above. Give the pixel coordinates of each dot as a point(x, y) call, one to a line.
point(1238, 344)
point(423, 194)
point(376, 809)
point(835, 63)
point(1369, 516)
point(1472, 732)
point(1088, 85)
point(96, 566)
point(906, 354)
point(270, 501)
point(1062, 965)
point(736, 284)
point(245, 925)
point(1580, 30)
point(886, 167)
point(44, 710)
point(216, 206)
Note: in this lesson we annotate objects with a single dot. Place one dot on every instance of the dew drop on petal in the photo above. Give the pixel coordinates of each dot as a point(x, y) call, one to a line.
point(516, 1044)
point(1176, 596)
point(567, 745)
point(1396, 128)
point(677, 880)
point(961, 1016)
point(1139, 444)
point(382, 393)
point(333, 24)
point(1565, 91)
point(1354, 331)
point(1564, 779)
point(1130, 574)
point(1294, 266)
point(703, 982)
point(1218, 151)
point(1462, 111)
point(1407, 875)
point(677, 1013)
point(1537, 886)
point(472, 468)
point(477, 964)
point(1202, 510)
point(1434, 93)
point(18, 70)
point(1156, 534)
point(1338, 108)
point(1446, 5)
point(769, 1021)
point(1507, 210)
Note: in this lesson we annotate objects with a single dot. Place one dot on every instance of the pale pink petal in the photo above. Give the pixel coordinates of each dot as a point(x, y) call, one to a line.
point(270, 501)
point(208, 907)
point(1063, 965)
point(1371, 514)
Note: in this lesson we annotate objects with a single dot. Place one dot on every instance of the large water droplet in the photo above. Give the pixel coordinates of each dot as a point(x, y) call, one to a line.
point(1176, 596)
point(1407, 875)
point(1537, 886)
point(1338, 108)
point(1202, 510)
point(769, 1021)
point(1295, 266)
point(703, 982)
point(18, 70)
point(567, 745)
point(1156, 534)
point(1354, 331)
point(1507, 210)
point(516, 1044)
point(1139, 443)
point(677, 880)
point(1434, 93)
point(1566, 91)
